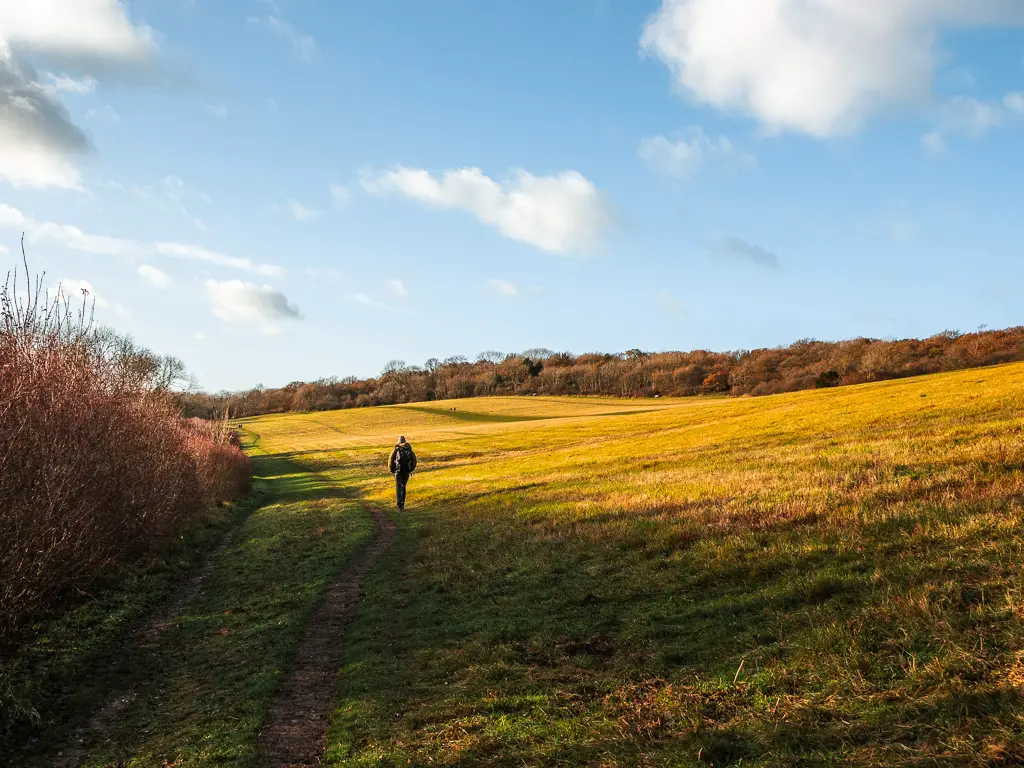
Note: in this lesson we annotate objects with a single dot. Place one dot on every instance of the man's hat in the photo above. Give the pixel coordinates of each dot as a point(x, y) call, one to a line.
point(401, 439)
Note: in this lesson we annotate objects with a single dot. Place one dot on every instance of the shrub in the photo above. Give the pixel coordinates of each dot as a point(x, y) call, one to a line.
point(717, 382)
point(827, 379)
point(97, 467)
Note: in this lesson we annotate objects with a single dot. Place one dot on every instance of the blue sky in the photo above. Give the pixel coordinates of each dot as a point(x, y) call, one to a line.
point(278, 191)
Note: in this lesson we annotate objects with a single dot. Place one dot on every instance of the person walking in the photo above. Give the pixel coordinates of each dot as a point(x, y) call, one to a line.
point(401, 464)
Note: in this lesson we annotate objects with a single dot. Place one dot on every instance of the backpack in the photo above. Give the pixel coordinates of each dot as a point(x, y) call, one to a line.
point(403, 458)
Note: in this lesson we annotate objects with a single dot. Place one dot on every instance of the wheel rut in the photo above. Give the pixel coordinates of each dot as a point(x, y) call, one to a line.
point(293, 732)
point(145, 636)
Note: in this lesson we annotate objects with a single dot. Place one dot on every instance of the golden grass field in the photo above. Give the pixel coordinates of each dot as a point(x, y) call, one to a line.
point(820, 578)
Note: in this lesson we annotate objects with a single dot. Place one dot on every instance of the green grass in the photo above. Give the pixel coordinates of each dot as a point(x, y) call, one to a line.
point(821, 578)
point(203, 691)
point(69, 663)
point(214, 675)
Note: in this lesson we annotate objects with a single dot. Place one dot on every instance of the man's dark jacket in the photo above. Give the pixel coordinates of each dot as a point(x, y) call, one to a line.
point(393, 460)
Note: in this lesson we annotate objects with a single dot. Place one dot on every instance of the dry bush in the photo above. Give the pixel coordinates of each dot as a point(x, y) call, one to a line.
point(97, 467)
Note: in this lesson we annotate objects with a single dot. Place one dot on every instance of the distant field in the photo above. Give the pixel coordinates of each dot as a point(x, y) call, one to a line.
point(823, 578)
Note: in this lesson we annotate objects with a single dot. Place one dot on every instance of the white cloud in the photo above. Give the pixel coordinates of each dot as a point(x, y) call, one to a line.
point(300, 212)
point(562, 214)
point(933, 143)
point(503, 287)
point(820, 67)
point(736, 250)
point(74, 290)
point(80, 292)
point(362, 298)
point(65, 234)
point(397, 289)
point(38, 140)
point(686, 155)
point(340, 194)
point(66, 84)
point(239, 303)
point(85, 33)
point(220, 111)
point(303, 44)
point(962, 114)
point(1014, 102)
point(75, 239)
point(154, 276)
point(39, 143)
point(198, 253)
point(970, 117)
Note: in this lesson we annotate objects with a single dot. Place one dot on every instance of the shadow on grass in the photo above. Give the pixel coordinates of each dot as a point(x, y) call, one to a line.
point(499, 642)
point(470, 416)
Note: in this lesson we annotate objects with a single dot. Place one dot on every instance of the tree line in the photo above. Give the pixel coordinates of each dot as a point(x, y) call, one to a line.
point(805, 364)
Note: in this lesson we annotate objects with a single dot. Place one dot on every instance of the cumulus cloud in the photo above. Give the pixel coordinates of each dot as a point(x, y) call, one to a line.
point(820, 67)
point(220, 111)
point(686, 155)
point(66, 84)
point(39, 143)
point(77, 292)
point(397, 289)
point(239, 303)
point(734, 249)
point(154, 276)
point(75, 239)
point(562, 214)
point(38, 140)
point(84, 34)
point(503, 287)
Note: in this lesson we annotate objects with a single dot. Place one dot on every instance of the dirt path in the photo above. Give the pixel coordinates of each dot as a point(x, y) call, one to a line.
point(293, 734)
point(146, 635)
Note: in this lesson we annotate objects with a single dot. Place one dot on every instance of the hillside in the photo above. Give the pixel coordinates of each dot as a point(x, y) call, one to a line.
point(824, 577)
point(805, 364)
point(820, 578)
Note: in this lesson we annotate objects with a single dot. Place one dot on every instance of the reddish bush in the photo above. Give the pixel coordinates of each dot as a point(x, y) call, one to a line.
point(96, 465)
point(717, 382)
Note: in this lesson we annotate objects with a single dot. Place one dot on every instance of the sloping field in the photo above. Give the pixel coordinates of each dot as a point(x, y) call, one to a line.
point(368, 426)
point(822, 578)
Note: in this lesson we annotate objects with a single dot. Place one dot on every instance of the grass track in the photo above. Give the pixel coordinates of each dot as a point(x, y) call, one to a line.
point(822, 578)
point(75, 660)
point(217, 669)
point(203, 691)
